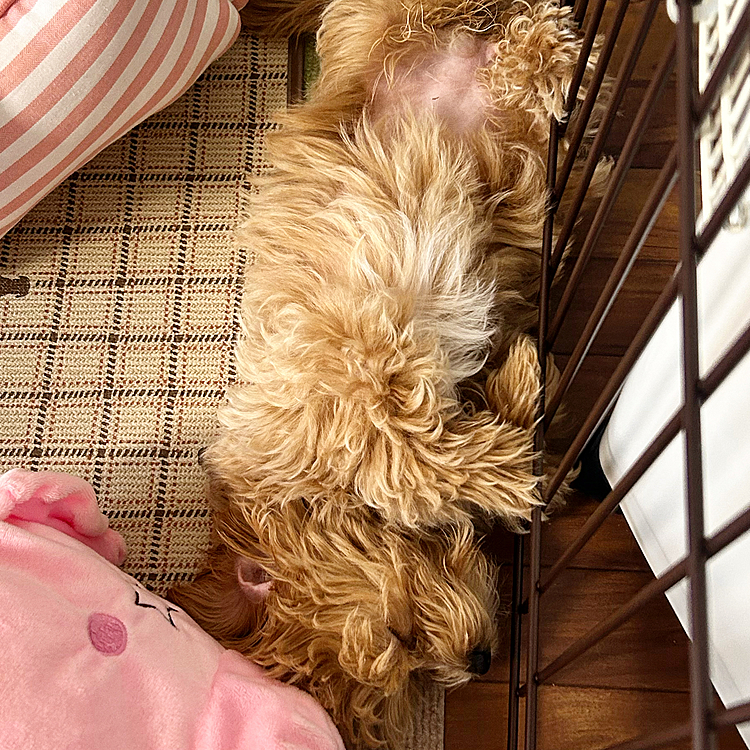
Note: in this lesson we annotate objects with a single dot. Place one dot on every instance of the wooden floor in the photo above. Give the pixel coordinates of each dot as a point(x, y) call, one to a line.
point(636, 680)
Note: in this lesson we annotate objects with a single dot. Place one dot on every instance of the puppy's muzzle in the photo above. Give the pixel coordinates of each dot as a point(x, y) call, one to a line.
point(480, 660)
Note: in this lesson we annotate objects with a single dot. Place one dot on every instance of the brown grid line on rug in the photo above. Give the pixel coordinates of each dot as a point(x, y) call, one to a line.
point(123, 270)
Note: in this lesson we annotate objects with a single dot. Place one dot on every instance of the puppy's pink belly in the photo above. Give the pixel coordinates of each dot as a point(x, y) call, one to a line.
point(441, 81)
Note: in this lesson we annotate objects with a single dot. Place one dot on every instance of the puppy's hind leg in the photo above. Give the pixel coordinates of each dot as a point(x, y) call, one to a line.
point(533, 61)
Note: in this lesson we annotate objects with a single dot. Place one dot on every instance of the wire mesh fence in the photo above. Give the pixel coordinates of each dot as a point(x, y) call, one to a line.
point(706, 80)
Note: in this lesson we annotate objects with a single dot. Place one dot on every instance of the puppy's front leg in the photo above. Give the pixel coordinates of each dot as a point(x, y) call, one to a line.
point(513, 389)
point(512, 393)
point(481, 462)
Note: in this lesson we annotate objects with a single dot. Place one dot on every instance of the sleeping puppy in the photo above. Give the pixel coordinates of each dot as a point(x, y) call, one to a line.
point(396, 251)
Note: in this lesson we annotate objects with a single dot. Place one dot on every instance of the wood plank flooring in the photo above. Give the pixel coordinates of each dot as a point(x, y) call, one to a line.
point(636, 680)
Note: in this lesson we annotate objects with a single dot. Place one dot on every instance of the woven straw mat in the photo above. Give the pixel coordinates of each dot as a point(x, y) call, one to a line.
point(113, 363)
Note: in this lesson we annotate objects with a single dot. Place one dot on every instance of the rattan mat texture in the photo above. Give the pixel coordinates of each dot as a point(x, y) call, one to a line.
point(116, 338)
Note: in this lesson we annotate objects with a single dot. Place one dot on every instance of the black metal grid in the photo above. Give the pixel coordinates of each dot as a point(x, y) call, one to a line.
point(692, 107)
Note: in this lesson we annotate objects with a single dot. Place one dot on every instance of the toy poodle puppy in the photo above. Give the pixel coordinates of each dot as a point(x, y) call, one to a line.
point(395, 265)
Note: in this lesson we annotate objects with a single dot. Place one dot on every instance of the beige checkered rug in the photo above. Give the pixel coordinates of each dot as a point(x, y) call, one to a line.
point(116, 356)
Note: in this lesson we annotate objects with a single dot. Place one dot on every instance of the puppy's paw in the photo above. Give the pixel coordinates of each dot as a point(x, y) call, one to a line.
point(533, 62)
point(513, 389)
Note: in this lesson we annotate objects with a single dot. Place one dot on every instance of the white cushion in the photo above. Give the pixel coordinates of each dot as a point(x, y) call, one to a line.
point(75, 75)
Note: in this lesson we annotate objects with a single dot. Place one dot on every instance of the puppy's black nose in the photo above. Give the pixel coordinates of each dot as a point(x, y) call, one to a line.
point(480, 660)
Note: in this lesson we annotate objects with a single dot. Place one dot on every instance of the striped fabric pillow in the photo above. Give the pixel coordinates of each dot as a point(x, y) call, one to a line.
point(77, 74)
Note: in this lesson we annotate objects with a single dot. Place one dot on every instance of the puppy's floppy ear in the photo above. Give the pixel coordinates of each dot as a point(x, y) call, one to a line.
point(253, 578)
point(372, 653)
point(217, 601)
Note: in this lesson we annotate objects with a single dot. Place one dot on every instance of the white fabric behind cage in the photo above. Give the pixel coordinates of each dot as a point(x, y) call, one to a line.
point(653, 392)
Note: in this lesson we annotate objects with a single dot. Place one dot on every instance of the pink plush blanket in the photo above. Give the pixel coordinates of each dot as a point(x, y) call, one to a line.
point(94, 661)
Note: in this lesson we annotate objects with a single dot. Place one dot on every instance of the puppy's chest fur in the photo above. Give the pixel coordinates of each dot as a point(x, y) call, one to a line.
point(371, 263)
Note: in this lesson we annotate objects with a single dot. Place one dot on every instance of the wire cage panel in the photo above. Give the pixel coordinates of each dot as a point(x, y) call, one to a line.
point(709, 158)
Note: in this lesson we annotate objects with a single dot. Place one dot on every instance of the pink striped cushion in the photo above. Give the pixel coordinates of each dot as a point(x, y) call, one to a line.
point(77, 74)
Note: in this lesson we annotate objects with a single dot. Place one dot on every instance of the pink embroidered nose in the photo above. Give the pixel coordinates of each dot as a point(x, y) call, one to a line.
point(107, 634)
